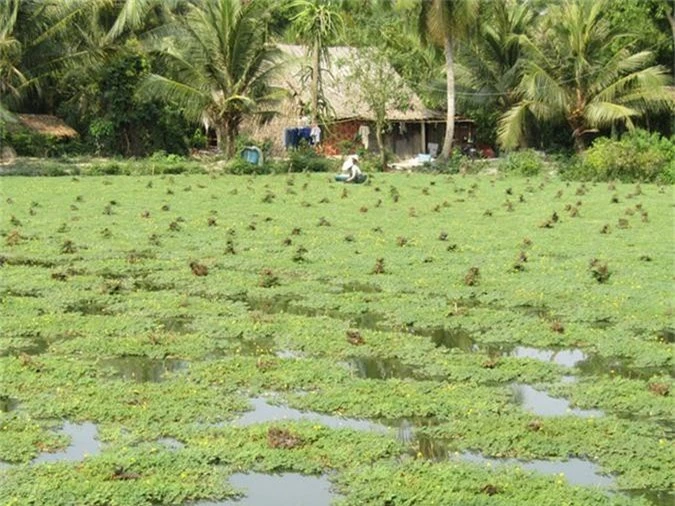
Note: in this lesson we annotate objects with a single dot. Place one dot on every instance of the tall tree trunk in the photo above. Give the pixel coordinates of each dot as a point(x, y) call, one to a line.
point(220, 137)
point(671, 20)
point(450, 120)
point(380, 147)
point(316, 70)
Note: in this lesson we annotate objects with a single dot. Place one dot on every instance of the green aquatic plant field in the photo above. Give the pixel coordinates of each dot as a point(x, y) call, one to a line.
point(437, 340)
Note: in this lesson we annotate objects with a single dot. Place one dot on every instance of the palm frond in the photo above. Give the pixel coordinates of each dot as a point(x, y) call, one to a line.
point(191, 100)
point(602, 114)
point(511, 127)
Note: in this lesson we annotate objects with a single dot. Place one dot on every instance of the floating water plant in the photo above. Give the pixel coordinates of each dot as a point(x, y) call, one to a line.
point(379, 266)
point(268, 279)
point(599, 270)
point(199, 269)
point(472, 277)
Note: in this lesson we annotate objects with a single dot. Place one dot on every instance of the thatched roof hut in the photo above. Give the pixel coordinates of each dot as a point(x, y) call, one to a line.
point(348, 109)
point(47, 125)
point(347, 102)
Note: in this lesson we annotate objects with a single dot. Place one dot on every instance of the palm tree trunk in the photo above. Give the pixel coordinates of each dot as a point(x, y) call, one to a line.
point(220, 137)
point(316, 63)
point(450, 120)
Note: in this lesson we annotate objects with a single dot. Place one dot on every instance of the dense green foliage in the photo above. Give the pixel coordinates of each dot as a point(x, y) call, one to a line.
point(92, 63)
point(158, 306)
point(525, 163)
point(637, 156)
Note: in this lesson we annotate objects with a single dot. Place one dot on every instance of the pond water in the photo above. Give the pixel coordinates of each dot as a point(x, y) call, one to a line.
point(285, 304)
point(379, 368)
point(655, 497)
point(576, 471)
point(33, 345)
point(170, 443)
point(87, 307)
point(448, 337)
point(277, 490)
point(540, 403)
point(8, 404)
point(175, 324)
point(83, 443)
point(600, 366)
point(143, 369)
point(355, 286)
point(565, 357)
point(263, 411)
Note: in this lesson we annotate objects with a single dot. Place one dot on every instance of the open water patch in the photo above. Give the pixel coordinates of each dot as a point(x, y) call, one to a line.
point(597, 365)
point(83, 443)
point(287, 304)
point(576, 471)
point(355, 286)
point(175, 324)
point(170, 443)
point(456, 337)
point(262, 345)
point(264, 412)
point(87, 307)
point(33, 345)
point(379, 368)
point(8, 404)
point(141, 369)
point(533, 310)
point(667, 335)
point(564, 357)
point(654, 497)
point(540, 403)
point(278, 489)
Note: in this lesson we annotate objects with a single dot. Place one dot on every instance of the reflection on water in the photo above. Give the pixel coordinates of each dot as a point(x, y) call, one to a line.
point(175, 324)
point(541, 403)
point(568, 358)
point(260, 345)
point(170, 443)
point(599, 365)
point(8, 404)
point(355, 286)
point(577, 471)
point(287, 489)
point(265, 412)
point(449, 337)
point(83, 443)
point(655, 497)
point(285, 304)
point(142, 369)
point(667, 334)
point(33, 345)
point(379, 368)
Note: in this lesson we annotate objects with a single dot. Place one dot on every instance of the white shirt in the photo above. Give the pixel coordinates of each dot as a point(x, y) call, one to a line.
point(315, 134)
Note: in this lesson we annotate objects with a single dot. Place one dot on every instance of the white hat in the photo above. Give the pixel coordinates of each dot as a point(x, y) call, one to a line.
point(355, 157)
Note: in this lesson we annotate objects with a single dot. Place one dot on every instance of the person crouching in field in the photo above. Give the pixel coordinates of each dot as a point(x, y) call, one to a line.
point(351, 173)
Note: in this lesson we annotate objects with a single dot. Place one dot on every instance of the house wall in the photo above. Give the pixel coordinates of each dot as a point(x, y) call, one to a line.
point(334, 137)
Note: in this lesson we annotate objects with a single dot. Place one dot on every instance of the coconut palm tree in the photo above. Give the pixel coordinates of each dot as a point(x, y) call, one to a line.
point(445, 22)
point(574, 74)
point(135, 14)
point(218, 65)
point(492, 61)
point(317, 22)
point(12, 78)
